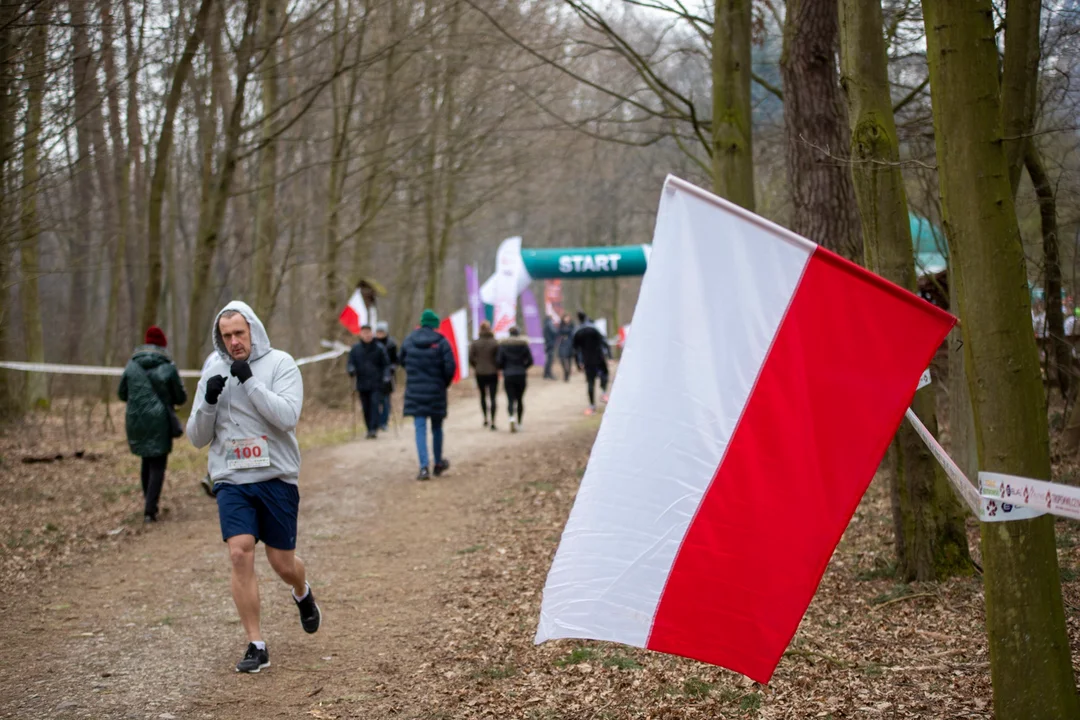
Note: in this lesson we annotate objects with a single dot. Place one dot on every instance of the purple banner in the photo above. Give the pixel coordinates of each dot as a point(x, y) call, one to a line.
point(534, 329)
point(472, 287)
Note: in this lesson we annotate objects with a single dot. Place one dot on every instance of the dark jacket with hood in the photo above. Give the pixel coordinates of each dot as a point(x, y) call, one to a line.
point(265, 406)
point(369, 365)
point(591, 347)
point(483, 354)
point(565, 340)
point(150, 386)
point(429, 366)
point(515, 357)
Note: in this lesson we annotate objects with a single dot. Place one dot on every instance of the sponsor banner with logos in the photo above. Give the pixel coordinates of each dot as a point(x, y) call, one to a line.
point(1036, 495)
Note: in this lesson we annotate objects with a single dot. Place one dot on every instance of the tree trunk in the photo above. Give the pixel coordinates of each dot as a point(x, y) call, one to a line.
point(266, 208)
point(930, 538)
point(161, 164)
point(211, 225)
point(83, 83)
point(1030, 664)
point(135, 156)
point(1059, 352)
point(732, 131)
point(1019, 81)
point(33, 334)
point(120, 187)
point(9, 401)
point(825, 210)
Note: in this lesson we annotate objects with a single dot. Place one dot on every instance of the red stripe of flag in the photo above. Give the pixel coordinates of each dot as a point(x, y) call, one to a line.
point(828, 400)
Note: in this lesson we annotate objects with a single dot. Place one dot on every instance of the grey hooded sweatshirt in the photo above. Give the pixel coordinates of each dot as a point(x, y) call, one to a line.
point(266, 406)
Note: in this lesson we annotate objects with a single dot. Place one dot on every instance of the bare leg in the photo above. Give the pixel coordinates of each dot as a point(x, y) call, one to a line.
point(245, 586)
point(289, 568)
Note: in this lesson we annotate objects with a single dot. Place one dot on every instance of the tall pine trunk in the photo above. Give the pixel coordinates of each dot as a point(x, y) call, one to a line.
point(930, 538)
point(732, 131)
point(821, 187)
point(33, 334)
point(1030, 664)
point(161, 164)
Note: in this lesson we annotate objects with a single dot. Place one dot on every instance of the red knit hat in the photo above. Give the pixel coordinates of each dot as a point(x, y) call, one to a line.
point(155, 336)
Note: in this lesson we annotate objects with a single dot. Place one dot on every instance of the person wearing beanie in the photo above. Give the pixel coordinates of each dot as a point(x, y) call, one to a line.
point(151, 388)
point(514, 359)
point(592, 352)
point(429, 366)
point(483, 358)
point(155, 336)
point(382, 400)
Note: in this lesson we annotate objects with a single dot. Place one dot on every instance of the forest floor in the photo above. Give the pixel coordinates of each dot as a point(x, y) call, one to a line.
point(430, 593)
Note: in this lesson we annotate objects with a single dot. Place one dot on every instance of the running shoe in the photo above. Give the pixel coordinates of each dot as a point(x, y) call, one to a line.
point(441, 467)
point(513, 426)
point(254, 660)
point(310, 615)
point(493, 428)
point(591, 410)
point(605, 397)
point(423, 474)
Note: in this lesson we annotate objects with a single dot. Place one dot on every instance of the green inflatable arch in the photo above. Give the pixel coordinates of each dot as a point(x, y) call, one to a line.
point(581, 263)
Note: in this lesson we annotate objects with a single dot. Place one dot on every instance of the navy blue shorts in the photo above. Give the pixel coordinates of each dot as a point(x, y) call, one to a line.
point(265, 509)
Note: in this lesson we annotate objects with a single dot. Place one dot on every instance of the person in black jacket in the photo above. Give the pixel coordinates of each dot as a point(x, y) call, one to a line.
point(565, 345)
point(429, 366)
point(550, 336)
point(382, 404)
point(368, 363)
point(515, 359)
point(592, 351)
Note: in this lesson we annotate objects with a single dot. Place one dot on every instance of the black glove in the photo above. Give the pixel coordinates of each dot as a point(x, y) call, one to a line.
point(214, 387)
point(241, 371)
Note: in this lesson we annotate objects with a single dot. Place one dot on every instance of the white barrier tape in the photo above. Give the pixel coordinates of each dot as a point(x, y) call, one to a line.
point(964, 488)
point(1039, 495)
point(338, 350)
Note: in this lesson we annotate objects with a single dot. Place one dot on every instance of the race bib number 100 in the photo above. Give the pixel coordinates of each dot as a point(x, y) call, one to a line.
point(247, 453)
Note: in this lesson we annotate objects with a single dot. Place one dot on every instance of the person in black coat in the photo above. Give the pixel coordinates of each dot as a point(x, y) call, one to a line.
point(515, 359)
point(592, 351)
point(429, 366)
point(382, 403)
point(368, 364)
point(565, 345)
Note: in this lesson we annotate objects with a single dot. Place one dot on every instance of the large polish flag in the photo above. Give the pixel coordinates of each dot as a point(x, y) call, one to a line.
point(758, 393)
point(454, 327)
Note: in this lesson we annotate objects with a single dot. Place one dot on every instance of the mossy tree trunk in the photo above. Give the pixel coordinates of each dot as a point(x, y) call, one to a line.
point(930, 538)
point(1030, 661)
point(732, 132)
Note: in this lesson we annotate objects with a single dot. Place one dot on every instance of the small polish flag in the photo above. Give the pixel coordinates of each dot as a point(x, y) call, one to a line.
point(355, 314)
point(454, 327)
point(757, 395)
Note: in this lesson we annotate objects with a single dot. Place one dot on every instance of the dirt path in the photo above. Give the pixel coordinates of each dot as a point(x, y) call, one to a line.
point(151, 631)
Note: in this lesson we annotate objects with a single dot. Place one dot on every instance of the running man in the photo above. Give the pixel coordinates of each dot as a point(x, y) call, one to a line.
point(592, 351)
point(246, 409)
point(514, 359)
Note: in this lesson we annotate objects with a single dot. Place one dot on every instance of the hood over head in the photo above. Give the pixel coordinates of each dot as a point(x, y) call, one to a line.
point(260, 341)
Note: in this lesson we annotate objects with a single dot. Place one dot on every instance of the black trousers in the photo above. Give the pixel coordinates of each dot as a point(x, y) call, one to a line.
point(367, 402)
point(153, 477)
point(515, 394)
point(592, 372)
point(489, 386)
point(549, 361)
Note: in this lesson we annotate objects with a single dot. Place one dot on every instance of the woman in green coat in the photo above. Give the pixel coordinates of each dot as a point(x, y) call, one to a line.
point(151, 387)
